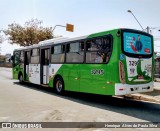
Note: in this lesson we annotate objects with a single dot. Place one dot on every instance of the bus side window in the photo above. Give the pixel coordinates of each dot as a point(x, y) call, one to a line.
point(91, 51)
point(35, 56)
point(21, 57)
point(107, 48)
point(81, 46)
point(98, 50)
point(68, 48)
point(57, 54)
point(75, 52)
point(88, 46)
point(16, 59)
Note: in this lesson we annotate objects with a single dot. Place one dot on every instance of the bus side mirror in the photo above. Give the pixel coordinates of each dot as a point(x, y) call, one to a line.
point(12, 57)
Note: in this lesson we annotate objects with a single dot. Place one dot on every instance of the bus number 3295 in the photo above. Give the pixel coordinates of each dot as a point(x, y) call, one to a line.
point(97, 72)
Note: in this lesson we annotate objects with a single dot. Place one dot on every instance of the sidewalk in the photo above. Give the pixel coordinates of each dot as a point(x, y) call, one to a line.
point(149, 96)
point(157, 79)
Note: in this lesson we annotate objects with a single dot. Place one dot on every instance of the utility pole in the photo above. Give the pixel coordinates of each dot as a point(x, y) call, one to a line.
point(148, 29)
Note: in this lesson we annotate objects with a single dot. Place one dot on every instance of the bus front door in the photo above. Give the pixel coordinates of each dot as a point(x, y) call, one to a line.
point(16, 64)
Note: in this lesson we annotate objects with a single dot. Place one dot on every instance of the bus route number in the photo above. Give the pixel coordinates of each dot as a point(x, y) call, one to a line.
point(97, 72)
point(133, 63)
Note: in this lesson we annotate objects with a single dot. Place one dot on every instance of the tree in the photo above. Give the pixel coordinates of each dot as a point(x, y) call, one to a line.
point(1, 36)
point(1, 39)
point(31, 33)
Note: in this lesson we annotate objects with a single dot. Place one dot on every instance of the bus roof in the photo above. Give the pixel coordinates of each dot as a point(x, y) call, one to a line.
point(51, 42)
point(65, 39)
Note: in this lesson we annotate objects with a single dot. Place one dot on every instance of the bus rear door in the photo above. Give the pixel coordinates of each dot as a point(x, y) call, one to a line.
point(45, 66)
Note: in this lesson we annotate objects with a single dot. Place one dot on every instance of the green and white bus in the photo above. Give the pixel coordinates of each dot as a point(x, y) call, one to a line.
point(115, 62)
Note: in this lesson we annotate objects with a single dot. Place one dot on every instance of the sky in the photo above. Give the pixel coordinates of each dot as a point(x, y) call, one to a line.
point(87, 16)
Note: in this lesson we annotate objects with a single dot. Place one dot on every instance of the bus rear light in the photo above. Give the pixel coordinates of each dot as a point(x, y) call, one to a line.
point(121, 72)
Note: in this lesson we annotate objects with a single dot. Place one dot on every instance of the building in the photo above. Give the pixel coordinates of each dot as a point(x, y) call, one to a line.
point(2, 59)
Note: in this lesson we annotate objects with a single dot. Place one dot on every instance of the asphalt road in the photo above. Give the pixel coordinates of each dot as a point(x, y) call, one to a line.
point(32, 103)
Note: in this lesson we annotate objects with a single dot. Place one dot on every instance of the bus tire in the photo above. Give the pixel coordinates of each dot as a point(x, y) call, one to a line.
point(20, 78)
point(59, 85)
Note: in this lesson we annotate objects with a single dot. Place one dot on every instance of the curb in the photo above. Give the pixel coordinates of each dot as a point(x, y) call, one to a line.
point(157, 88)
point(142, 97)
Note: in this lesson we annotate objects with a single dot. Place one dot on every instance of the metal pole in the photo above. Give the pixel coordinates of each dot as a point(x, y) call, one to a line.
point(58, 25)
point(136, 19)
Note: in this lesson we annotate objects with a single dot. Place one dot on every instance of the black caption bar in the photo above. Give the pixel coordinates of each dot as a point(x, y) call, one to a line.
point(79, 124)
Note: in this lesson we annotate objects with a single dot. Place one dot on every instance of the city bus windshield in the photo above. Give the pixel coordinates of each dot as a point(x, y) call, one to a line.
point(137, 44)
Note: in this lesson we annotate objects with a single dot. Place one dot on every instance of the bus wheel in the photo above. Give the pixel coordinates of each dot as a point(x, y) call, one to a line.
point(59, 85)
point(21, 79)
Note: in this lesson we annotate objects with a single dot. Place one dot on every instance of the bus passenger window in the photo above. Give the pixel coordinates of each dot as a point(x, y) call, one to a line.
point(57, 54)
point(98, 50)
point(81, 46)
point(46, 59)
point(16, 59)
point(75, 52)
point(21, 57)
point(91, 45)
point(35, 56)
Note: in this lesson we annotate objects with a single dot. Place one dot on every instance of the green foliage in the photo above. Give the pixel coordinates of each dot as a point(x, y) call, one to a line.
point(31, 33)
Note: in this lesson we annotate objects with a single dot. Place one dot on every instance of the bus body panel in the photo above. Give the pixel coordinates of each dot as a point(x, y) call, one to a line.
point(71, 76)
point(123, 89)
point(15, 72)
point(139, 70)
point(93, 79)
point(34, 73)
point(89, 78)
